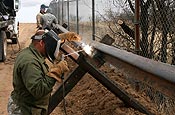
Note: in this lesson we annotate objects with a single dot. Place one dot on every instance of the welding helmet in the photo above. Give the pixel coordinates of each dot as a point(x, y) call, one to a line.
point(52, 44)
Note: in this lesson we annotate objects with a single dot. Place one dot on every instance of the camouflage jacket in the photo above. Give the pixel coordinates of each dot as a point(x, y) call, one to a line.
point(47, 20)
point(38, 19)
point(32, 87)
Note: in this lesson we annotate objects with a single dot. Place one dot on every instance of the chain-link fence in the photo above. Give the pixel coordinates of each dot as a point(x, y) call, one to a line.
point(148, 23)
point(95, 18)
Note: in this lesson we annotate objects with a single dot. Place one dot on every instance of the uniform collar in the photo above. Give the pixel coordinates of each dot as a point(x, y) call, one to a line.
point(36, 53)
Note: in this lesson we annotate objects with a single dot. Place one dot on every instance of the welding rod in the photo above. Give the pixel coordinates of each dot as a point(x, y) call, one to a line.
point(73, 53)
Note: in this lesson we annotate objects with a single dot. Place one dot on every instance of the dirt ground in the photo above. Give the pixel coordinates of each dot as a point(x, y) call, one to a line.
point(6, 68)
point(88, 97)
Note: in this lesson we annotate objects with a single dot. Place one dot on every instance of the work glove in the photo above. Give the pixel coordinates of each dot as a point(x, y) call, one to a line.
point(69, 36)
point(58, 70)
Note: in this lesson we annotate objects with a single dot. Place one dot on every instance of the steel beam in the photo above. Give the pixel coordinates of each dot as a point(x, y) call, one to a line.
point(112, 86)
point(157, 75)
point(84, 67)
point(69, 83)
point(103, 79)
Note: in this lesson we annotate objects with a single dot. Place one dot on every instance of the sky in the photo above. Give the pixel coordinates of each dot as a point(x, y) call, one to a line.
point(29, 9)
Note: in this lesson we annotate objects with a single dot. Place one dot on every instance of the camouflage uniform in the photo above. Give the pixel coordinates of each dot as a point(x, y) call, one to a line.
point(38, 18)
point(39, 15)
point(32, 87)
point(48, 19)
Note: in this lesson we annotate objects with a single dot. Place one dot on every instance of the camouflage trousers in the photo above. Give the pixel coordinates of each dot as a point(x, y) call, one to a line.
point(12, 108)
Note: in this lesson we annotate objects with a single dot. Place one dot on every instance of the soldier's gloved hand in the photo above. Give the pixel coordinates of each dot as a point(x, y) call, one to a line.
point(57, 70)
point(69, 36)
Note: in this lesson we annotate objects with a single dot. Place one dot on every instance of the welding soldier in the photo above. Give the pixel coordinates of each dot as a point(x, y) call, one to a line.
point(48, 19)
point(33, 80)
point(38, 16)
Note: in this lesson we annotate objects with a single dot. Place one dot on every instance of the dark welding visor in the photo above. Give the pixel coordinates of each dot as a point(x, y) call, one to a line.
point(52, 44)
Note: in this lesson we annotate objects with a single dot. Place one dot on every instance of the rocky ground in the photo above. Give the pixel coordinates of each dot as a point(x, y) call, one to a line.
point(88, 97)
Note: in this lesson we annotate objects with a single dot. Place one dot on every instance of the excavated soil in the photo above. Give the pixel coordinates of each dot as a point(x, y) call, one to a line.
point(88, 97)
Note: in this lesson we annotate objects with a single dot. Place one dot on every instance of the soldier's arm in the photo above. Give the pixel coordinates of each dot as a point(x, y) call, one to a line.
point(36, 80)
point(38, 19)
point(55, 20)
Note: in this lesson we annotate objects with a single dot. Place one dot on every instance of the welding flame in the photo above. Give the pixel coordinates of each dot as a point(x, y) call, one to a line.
point(87, 48)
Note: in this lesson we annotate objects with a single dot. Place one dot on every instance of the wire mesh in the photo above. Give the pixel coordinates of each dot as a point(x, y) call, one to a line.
point(117, 19)
point(164, 104)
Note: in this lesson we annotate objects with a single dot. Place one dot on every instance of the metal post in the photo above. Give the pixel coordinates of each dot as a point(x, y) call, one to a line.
point(137, 31)
point(57, 12)
point(93, 19)
point(77, 10)
point(68, 14)
point(62, 14)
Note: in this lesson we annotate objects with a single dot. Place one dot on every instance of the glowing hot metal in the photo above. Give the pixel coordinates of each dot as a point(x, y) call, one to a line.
point(73, 53)
point(87, 48)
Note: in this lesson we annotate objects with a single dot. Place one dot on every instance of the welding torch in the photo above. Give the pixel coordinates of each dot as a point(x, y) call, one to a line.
point(63, 55)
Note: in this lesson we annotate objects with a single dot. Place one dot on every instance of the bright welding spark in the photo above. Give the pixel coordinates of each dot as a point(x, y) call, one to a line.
point(88, 49)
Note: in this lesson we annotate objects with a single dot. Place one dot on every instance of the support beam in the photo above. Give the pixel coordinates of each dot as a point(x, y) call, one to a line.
point(158, 75)
point(73, 79)
point(70, 82)
point(111, 86)
point(104, 80)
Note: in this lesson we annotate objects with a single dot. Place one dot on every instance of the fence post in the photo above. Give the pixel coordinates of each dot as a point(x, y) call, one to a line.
point(136, 21)
point(93, 19)
point(68, 15)
point(77, 13)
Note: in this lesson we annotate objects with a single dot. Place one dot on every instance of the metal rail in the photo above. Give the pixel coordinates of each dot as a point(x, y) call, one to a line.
point(84, 67)
point(157, 75)
point(161, 71)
